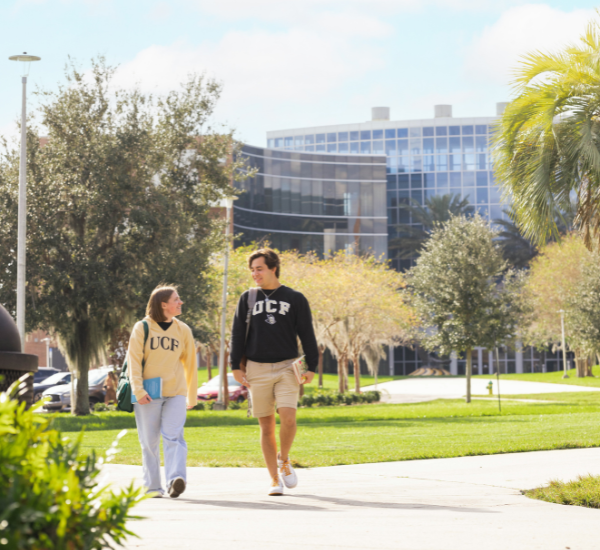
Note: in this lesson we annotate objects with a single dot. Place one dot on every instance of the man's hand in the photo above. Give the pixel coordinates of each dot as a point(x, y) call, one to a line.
point(145, 400)
point(240, 377)
point(308, 377)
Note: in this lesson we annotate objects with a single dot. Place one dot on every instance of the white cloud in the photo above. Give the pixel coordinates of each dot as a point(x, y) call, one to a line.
point(267, 73)
point(534, 27)
point(303, 10)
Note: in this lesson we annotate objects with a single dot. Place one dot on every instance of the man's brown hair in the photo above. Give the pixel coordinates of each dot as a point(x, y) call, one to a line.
point(160, 295)
point(271, 259)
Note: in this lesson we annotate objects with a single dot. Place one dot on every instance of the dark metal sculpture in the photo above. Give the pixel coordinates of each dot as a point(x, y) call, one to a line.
point(13, 363)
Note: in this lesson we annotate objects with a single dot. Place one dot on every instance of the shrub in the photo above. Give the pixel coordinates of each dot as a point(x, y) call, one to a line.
point(103, 407)
point(49, 496)
point(199, 406)
point(234, 405)
point(306, 401)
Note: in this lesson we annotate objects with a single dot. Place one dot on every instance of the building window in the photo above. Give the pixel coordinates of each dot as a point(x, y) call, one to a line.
point(377, 134)
point(331, 137)
point(390, 134)
point(309, 140)
point(365, 134)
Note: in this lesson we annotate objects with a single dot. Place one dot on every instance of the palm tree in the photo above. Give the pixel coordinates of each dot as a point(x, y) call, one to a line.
point(547, 140)
point(425, 218)
point(517, 249)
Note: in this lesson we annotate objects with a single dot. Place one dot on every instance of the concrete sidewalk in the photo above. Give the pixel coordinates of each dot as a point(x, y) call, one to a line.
point(444, 504)
point(415, 390)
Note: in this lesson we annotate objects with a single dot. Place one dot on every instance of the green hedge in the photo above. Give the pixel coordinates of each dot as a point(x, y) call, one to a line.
point(49, 496)
point(328, 399)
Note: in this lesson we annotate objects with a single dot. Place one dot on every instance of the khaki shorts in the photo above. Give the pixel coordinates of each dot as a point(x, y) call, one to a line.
point(272, 385)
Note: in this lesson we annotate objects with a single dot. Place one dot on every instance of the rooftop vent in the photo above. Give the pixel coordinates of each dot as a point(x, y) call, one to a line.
point(500, 107)
point(443, 111)
point(380, 113)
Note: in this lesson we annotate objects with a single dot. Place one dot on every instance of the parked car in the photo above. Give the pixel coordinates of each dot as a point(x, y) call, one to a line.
point(60, 396)
point(43, 373)
point(210, 390)
point(57, 379)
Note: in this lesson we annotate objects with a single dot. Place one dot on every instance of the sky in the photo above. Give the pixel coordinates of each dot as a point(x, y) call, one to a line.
point(290, 63)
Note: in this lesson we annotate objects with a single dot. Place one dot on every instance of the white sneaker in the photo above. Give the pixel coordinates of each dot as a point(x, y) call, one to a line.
point(276, 488)
point(287, 472)
point(155, 494)
point(176, 487)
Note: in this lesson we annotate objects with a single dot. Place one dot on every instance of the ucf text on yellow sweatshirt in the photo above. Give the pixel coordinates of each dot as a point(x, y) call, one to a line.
point(170, 354)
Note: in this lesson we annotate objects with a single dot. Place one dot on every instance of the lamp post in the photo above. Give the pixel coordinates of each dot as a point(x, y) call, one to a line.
point(48, 356)
point(22, 223)
point(220, 403)
point(564, 347)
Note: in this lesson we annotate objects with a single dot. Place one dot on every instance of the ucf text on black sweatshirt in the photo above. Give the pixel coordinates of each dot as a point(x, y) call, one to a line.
point(274, 328)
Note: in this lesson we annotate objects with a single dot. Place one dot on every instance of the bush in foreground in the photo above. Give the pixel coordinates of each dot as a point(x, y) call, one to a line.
point(584, 491)
point(49, 496)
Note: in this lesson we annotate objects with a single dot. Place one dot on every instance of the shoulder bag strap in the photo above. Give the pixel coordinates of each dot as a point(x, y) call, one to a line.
point(252, 294)
point(146, 332)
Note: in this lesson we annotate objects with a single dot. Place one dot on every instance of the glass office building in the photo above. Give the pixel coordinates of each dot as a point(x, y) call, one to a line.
point(423, 158)
point(313, 201)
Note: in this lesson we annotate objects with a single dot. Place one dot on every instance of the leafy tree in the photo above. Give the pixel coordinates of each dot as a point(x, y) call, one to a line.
point(563, 277)
point(437, 209)
point(357, 304)
point(547, 140)
point(119, 200)
point(455, 291)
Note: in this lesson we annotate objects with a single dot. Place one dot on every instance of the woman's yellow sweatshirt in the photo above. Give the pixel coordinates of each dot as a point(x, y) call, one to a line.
point(170, 354)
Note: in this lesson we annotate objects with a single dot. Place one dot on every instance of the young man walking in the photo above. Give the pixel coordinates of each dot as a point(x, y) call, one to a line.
point(280, 316)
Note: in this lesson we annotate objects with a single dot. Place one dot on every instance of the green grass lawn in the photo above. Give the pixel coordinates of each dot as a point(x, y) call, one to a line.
point(584, 491)
point(371, 433)
point(552, 377)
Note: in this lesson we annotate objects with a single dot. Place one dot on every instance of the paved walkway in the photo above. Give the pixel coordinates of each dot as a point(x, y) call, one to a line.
point(415, 390)
point(444, 504)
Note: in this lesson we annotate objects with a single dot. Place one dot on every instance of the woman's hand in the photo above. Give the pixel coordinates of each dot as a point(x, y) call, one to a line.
point(145, 400)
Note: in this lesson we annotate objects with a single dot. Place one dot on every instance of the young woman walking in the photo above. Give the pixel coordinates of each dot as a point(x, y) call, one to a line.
point(170, 354)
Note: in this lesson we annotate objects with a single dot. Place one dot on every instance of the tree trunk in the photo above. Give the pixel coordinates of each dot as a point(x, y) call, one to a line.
point(356, 363)
point(80, 395)
point(580, 364)
point(301, 390)
point(469, 366)
point(225, 384)
point(340, 363)
point(320, 367)
point(209, 358)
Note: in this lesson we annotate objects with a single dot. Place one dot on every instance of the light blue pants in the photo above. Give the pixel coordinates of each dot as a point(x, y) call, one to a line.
point(164, 417)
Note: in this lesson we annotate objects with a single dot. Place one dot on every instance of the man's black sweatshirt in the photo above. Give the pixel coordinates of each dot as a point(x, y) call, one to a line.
point(274, 328)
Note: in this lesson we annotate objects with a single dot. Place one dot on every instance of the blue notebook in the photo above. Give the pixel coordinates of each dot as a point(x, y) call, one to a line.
point(154, 388)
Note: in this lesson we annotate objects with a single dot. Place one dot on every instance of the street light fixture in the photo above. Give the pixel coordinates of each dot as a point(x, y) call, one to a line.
point(22, 223)
point(564, 347)
point(220, 403)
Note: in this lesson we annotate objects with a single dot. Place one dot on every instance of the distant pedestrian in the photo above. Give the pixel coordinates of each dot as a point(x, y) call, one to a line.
point(110, 388)
point(280, 316)
point(169, 354)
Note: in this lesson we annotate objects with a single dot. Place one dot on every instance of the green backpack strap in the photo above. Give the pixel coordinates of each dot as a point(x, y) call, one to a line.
point(124, 386)
point(146, 332)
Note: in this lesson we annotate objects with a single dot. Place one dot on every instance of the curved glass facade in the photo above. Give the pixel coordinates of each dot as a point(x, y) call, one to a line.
point(313, 202)
point(423, 158)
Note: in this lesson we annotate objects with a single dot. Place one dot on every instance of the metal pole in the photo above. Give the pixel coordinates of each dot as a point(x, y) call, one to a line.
point(222, 370)
point(498, 378)
point(22, 223)
point(564, 347)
